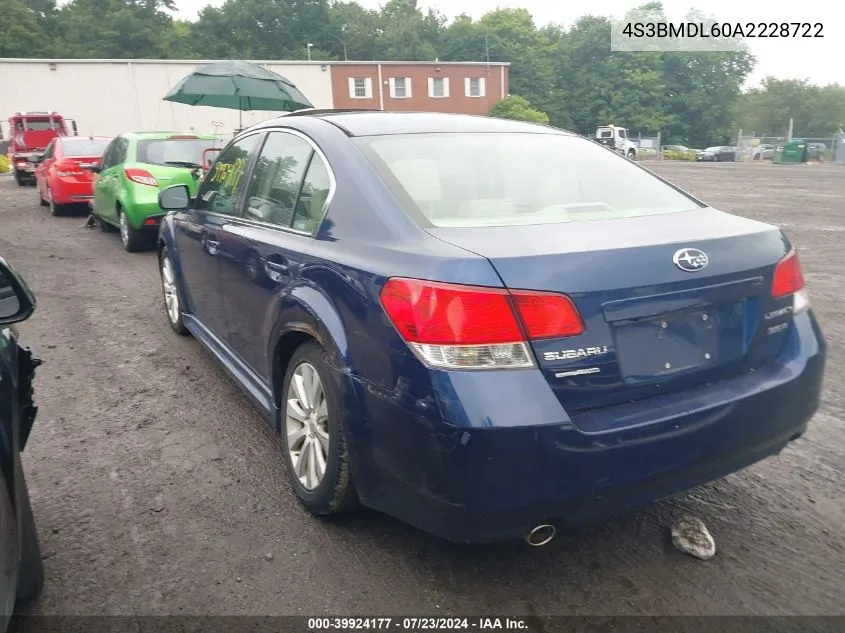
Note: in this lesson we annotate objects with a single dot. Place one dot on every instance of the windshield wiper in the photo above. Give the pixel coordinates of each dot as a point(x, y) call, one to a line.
point(181, 163)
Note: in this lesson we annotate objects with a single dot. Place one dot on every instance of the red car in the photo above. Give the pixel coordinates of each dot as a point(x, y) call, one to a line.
point(61, 177)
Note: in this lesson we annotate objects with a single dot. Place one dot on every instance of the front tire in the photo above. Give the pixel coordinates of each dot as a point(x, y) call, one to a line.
point(131, 238)
point(31, 574)
point(313, 435)
point(631, 154)
point(41, 199)
point(172, 304)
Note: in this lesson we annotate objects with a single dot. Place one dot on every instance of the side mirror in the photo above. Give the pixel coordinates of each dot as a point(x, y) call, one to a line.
point(16, 299)
point(174, 198)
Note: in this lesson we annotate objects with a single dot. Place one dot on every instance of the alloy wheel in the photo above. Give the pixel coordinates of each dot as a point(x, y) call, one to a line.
point(124, 229)
point(306, 426)
point(171, 297)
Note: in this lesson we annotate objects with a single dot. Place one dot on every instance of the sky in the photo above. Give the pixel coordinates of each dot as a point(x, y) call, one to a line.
point(818, 60)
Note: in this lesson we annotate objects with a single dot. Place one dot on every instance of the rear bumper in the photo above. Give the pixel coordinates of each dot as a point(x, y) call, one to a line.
point(71, 192)
point(483, 483)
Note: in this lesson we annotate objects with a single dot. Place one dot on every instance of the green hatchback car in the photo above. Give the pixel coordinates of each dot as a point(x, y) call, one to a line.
point(132, 170)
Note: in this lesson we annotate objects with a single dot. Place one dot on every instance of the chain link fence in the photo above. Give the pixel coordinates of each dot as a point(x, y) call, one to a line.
point(750, 147)
point(648, 147)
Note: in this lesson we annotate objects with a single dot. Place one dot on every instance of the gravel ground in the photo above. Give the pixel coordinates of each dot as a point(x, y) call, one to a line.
point(157, 489)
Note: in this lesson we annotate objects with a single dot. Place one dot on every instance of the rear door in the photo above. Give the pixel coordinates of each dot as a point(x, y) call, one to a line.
point(199, 232)
point(263, 247)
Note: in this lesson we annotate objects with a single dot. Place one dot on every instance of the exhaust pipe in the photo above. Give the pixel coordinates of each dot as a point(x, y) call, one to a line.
point(540, 535)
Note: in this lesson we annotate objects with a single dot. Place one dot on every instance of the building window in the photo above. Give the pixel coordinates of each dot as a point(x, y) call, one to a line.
point(360, 88)
point(474, 86)
point(400, 87)
point(438, 87)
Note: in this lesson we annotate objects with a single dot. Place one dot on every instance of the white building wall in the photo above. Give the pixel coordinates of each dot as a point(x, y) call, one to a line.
point(107, 97)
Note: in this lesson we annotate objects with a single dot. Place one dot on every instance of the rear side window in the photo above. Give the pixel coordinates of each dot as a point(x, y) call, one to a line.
point(508, 179)
point(277, 179)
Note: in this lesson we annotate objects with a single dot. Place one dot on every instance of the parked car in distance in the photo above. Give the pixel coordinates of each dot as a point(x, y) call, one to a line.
point(61, 177)
point(132, 170)
point(20, 555)
point(718, 153)
point(765, 151)
point(446, 325)
point(816, 151)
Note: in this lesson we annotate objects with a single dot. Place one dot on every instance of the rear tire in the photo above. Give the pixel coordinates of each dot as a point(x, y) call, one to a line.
point(31, 575)
point(323, 433)
point(56, 210)
point(170, 289)
point(131, 238)
point(19, 179)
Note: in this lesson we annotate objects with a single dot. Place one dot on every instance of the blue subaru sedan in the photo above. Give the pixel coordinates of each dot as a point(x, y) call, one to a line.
point(487, 328)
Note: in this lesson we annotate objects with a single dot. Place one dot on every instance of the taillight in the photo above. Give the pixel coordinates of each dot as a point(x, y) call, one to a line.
point(67, 168)
point(789, 280)
point(141, 176)
point(453, 326)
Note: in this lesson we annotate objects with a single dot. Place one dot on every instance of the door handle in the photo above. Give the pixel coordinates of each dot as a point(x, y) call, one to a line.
point(279, 267)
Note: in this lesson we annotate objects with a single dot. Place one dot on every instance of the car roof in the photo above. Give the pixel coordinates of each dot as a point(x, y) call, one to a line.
point(166, 135)
point(376, 122)
point(71, 139)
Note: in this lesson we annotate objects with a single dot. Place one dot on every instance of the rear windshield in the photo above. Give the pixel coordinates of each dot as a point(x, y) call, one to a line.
point(470, 179)
point(175, 152)
point(86, 148)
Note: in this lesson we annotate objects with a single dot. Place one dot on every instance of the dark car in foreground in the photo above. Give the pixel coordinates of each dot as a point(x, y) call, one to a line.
point(457, 321)
point(21, 570)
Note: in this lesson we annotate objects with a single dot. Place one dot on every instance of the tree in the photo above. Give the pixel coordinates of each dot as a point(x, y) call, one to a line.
point(117, 29)
point(817, 112)
point(519, 109)
point(21, 32)
point(405, 34)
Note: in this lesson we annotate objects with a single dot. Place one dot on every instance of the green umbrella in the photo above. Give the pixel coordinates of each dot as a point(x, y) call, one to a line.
point(238, 86)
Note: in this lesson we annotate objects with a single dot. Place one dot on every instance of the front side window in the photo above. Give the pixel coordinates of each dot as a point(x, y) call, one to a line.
point(108, 156)
point(121, 147)
point(508, 179)
point(219, 191)
point(277, 178)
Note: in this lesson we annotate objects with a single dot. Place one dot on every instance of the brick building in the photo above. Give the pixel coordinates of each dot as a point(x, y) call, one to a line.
point(465, 88)
point(135, 89)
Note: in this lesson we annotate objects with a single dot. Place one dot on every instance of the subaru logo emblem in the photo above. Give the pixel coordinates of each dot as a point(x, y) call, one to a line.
point(690, 260)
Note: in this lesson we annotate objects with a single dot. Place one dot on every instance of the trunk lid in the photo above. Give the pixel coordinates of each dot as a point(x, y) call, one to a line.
point(650, 326)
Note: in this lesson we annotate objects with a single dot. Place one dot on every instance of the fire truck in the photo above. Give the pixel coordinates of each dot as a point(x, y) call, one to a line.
point(29, 134)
